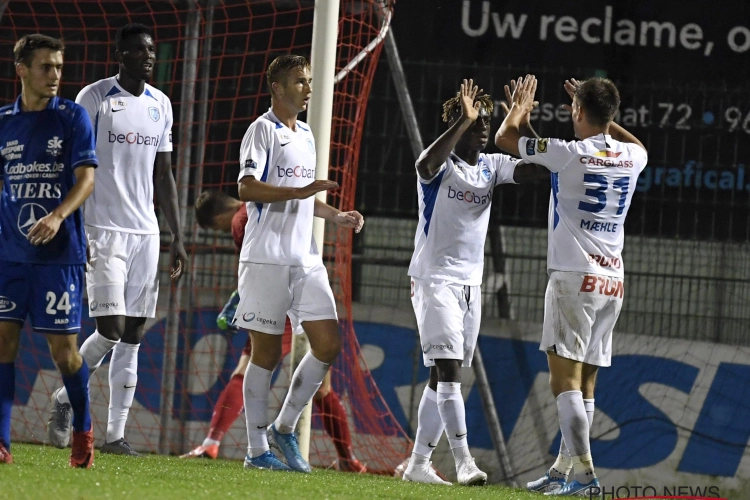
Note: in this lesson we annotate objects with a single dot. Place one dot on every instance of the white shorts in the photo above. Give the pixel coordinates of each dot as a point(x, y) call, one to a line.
point(580, 312)
point(448, 316)
point(122, 276)
point(269, 293)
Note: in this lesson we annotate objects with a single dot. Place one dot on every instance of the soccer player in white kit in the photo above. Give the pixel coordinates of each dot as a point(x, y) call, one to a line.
point(455, 185)
point(593, 180)
point(281, 271)
point(133, 127)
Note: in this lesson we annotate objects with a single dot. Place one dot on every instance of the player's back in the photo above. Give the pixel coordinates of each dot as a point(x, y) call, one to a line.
point(39, 151)
point(591, 194)
point(281, 232)
point(129, 130)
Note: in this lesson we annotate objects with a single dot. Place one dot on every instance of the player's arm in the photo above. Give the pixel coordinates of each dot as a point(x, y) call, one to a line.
point(429, 162)
point(351, 219)
point(509, 133)
point(166, 193)
point(252, 189)
point(47, 227)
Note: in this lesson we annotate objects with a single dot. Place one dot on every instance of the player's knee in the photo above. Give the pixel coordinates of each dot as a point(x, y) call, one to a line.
point(448, 370)
point(67, 359)
point(329, 351)
point(8, 348)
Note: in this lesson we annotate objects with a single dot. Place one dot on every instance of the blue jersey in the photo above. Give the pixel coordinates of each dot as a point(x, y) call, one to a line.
point(38, 152)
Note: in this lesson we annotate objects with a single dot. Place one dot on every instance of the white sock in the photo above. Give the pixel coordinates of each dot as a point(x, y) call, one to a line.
point(255, 389)
point(209, 442)
point(305, 383)
point(453, 414)
point(429, 425)
point(123, 377)
point(562, 466)
point(574, 425)
point(93, 350)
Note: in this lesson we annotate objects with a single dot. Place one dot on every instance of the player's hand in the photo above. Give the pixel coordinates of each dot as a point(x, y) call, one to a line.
point(570, 87)
point(315, 187)
point(469, 92)
point(44, 229)
point(179, 259)
point(523, 96)
point(509, 92)
point(351, 219)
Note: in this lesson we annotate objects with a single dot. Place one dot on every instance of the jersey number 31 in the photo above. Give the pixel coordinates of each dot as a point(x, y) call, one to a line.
point(600, 192)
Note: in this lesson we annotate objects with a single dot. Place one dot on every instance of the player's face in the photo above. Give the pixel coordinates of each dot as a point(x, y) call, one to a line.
point(297, 88)
point(477, 136)
point(138, 56)
point(42, 78)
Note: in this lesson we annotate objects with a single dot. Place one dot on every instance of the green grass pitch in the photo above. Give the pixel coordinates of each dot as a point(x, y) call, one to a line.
point(42, 472)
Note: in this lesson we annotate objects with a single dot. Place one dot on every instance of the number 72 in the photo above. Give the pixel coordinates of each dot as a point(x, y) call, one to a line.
point(600, 192)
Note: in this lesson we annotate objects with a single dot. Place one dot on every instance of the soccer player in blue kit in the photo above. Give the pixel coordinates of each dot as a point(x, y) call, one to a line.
point(47, 157)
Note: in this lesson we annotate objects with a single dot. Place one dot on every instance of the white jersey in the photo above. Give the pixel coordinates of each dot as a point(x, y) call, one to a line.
point(282, 232)
point(593, 181)
point(129, 131)
point(454, 213)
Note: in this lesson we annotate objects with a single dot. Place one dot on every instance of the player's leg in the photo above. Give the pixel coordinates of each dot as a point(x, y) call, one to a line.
point(141, 290)
point(266, 330)
point(105, 282)
point(10, 334)
point(227, 409)
point(57, 297)
point(123, 378)
point(314, 307)
point(336, 424)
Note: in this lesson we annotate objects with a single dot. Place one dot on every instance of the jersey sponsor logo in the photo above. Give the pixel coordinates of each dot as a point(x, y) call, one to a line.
point(541, 145)
point(36, 190)
point(470, 196)
point(12, 151)
point(133, 138)
point(298, 171)
point(605, 158)
point(35, 168)
point(6, 305)
point(530, 147)
point(154, 113)
point(251, 164)
point(28, 215)
point(603, 261)
point(438, 347)
point(54, 146)
point(611, 287)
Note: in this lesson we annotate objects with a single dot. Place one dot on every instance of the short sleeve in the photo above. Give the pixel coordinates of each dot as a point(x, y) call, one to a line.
point(255, 151)
point(639, 155)
point(555, 154)
point(505, 166)
point(165, 143)
point(427, 181)
point(84, 145)
point(90, 102)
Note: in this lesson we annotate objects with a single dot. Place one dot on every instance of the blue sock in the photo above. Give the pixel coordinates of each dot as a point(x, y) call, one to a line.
point(7, 392)
point(77, 386)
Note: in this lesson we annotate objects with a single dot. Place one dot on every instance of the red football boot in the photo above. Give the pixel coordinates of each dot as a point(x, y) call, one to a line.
point(82, 454)
point(5, 456)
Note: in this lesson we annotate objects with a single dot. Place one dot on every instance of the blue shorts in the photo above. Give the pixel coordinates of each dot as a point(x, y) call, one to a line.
point(51, 295)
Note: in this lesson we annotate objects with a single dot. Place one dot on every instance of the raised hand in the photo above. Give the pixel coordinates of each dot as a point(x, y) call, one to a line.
point(509, 92)
point(469, 92)
point(523, 96)
point(315, 187)
point(570, 87)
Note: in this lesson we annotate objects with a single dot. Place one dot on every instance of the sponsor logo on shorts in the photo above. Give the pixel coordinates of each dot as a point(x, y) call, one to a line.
point(603, 285)
point(438, 347)
point(6, 305)
point(94, 305)
point(248, 317)
point(61, 321)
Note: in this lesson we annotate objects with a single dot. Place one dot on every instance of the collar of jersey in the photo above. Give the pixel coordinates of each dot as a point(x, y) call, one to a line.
point(52, 104)
point(457, 159)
